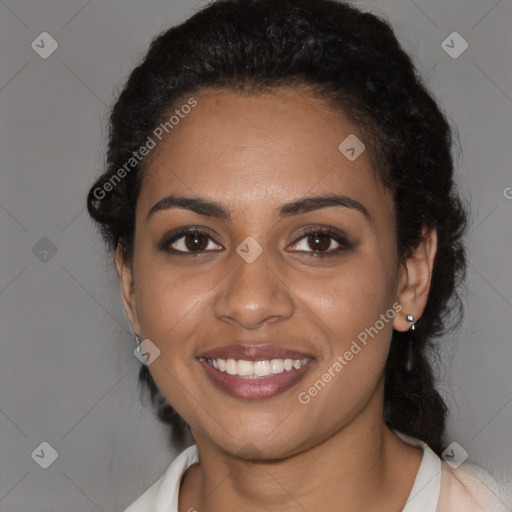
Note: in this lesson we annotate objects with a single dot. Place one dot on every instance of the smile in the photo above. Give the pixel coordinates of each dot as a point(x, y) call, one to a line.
point(252, 380)
point(257, 369)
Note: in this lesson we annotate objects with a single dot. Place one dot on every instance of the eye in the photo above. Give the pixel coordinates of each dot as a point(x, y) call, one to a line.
point(318, 242)
point(187, 240)
point(321, 241)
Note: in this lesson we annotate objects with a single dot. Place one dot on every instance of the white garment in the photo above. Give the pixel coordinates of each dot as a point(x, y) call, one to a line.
point(437, 487)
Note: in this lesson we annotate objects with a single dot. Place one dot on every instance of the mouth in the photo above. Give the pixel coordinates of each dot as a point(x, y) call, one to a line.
point(256, 371)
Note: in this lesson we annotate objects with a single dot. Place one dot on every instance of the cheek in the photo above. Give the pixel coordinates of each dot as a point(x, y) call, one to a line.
point(349, 377)
point(169, 298)
point(349, 298)
point(359, 333)
point(354, 307)
point(171, 309)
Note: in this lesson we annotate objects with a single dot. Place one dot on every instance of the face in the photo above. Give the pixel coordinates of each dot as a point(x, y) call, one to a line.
point(267, 275)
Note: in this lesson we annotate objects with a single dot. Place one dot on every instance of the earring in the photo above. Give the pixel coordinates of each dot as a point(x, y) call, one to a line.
point(410, 318)
point(138, 340)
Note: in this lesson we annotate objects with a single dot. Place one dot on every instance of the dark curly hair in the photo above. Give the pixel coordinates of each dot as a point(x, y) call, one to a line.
point(353, 60)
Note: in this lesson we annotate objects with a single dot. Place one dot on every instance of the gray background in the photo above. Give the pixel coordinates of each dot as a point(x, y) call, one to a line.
point(68, 375)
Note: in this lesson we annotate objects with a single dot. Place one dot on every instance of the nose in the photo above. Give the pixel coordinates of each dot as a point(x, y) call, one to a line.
point(253, 294)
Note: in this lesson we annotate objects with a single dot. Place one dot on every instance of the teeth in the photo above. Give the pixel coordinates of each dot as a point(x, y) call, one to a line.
point(255, 369)
point(277, 366)
point(262, 368)
point(231, 367)
point(244, 367)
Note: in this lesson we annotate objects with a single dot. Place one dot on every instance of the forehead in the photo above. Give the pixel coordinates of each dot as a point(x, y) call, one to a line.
point(259, 150)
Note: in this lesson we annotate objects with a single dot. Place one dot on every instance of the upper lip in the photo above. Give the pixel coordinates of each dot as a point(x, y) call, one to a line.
point(258, 352)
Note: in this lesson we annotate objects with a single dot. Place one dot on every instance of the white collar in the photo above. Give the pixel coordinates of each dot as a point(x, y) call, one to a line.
point(167, 497)
point(425, 491)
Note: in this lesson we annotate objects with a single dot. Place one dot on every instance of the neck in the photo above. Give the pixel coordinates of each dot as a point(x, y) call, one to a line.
point(363, 466)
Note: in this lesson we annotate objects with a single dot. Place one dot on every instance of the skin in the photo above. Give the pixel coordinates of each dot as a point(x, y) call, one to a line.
point(254, 154)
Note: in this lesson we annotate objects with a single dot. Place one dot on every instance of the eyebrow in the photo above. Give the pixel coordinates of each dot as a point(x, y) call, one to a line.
point(209, 208)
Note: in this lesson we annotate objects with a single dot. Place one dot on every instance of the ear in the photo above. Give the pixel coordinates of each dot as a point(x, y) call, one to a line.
point(415, 277)
point(126, 284)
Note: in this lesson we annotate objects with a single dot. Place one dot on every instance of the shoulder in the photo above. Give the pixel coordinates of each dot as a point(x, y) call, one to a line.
point(163, 494)
point(470, 488)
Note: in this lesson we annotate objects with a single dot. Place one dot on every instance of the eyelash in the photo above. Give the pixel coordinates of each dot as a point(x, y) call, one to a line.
point(168, 240)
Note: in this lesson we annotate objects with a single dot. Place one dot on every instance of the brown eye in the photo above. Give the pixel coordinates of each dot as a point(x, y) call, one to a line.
point(319, 241)
point(188, 241)
point(195, 241)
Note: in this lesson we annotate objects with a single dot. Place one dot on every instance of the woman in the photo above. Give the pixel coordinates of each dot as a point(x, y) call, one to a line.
point(279, 195)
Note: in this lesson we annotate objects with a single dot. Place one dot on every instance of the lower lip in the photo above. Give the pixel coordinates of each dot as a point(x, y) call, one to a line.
point(262, 387)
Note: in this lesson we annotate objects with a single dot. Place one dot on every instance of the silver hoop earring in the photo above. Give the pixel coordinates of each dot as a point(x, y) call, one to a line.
point(410, 318)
